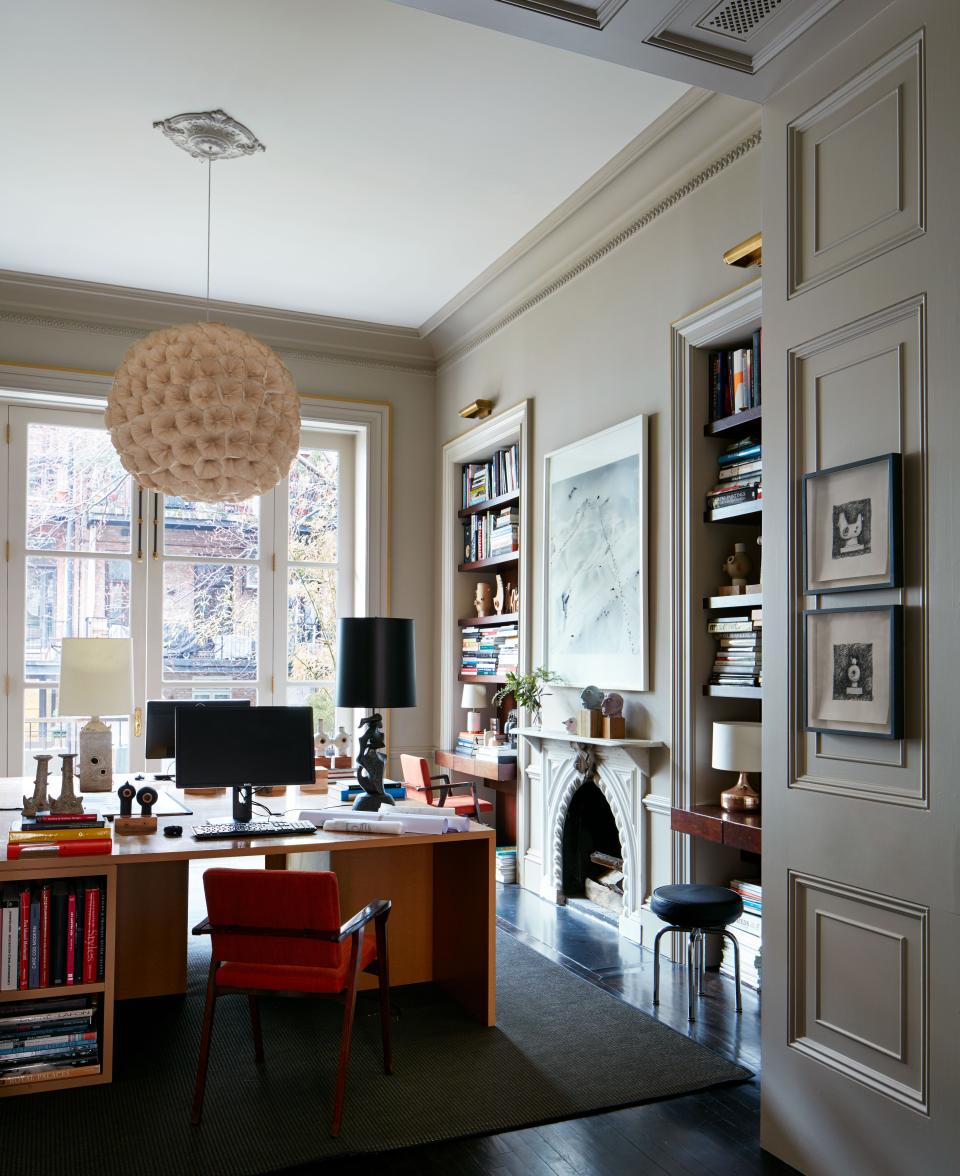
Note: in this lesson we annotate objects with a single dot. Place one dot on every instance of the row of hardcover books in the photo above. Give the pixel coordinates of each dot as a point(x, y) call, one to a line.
point(734, 379)
point(43, 1040)
point(53, 933)
point(748, 931)
point(489, 650)
point(490, 479)
point(739, 657)
point(739, 475)
point(492, 534)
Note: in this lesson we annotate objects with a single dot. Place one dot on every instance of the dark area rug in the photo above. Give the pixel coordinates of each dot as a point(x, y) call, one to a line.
point(561, 1048)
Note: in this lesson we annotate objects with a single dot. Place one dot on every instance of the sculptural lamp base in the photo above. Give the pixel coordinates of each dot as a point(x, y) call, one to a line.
point(370, 802)
point(741, 796)
point(95, 761)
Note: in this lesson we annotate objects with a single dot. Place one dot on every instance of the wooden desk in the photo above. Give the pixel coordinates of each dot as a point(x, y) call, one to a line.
point(501, 778)
point(441, 927)
point(739, 830)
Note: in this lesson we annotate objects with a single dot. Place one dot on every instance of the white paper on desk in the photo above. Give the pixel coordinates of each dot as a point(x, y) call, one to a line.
point(412, 822)
point(362, 825)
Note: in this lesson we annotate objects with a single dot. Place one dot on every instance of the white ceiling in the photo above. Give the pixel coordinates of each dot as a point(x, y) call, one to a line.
point(405, 152)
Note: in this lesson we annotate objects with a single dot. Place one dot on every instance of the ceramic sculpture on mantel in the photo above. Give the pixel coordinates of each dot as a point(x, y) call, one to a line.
point(589, 721)
point(614, 725)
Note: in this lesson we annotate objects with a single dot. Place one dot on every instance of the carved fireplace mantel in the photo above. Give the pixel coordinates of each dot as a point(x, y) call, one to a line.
point(620, 768)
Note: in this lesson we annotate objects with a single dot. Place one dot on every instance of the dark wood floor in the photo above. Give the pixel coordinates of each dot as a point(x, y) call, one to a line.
point(713, 1133)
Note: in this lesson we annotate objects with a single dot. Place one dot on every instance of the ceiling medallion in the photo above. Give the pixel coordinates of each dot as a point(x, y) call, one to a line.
point(210, 134)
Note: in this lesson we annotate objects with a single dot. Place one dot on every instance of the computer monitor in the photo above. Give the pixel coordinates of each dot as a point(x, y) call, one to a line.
point(222, 747)
point(161, 724)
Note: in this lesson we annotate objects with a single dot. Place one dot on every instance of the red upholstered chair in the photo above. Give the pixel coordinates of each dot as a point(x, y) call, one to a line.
point(416, 775)
point(279, 931)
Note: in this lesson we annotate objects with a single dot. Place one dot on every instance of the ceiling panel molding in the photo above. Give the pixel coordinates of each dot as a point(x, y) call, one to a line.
point(594, 16)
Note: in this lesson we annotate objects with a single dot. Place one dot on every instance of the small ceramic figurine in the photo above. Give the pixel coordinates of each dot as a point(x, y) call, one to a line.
point(38, 803)
point(483, 600)
point(67, 801)
point(320, 740)
point(514, 605)
point(612, 705)
point(499, 596)
point(738, 565)
point(591, 697)
point(570, 725)
point(342, 741)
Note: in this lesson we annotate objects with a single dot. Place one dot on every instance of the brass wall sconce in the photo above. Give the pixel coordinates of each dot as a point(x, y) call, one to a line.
point(747, 253)
point(478, 410)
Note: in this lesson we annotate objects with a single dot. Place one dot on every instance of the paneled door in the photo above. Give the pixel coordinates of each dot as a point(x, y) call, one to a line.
point(861, 892)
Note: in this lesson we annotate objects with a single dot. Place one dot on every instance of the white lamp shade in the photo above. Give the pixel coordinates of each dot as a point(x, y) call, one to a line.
point(737, 747)
point(96, 676)
point(474, 697)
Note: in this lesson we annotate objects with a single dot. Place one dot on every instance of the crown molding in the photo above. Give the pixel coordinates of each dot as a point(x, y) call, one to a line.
point(128, 313)
point(709, 134)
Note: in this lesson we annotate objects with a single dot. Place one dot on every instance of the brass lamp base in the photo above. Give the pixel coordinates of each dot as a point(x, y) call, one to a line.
point(741, 796)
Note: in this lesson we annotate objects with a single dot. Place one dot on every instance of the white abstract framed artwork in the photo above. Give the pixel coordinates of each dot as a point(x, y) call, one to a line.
point(595, 559)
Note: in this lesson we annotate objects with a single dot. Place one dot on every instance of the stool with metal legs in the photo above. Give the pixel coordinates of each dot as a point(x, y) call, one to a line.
point(697, 911)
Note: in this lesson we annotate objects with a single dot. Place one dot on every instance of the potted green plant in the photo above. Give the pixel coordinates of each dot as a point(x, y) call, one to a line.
point(528, 690)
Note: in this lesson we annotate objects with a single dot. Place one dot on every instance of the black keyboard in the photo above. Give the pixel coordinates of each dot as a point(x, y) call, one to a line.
point(213, 832)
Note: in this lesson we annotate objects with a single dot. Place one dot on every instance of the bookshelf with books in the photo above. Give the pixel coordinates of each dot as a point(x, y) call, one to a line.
point(718, 505)
point(57, 926)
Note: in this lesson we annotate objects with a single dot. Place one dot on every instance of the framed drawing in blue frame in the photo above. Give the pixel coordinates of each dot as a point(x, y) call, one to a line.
point(853, 526)
point(853, 668)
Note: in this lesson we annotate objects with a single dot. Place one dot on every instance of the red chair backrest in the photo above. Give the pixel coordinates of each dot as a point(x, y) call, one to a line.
point(295, 899)
point(416, 774)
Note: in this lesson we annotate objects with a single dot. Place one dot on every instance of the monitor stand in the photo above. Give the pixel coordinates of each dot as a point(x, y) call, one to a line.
point(243, 803)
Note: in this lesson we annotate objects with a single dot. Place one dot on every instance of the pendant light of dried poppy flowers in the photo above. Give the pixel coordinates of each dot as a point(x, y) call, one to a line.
point(205, 411)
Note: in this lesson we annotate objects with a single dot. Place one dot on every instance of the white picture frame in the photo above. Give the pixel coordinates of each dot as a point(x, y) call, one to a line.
point(595, 564)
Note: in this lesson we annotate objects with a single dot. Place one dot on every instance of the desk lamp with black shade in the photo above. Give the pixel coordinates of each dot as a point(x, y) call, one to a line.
point(376, 668)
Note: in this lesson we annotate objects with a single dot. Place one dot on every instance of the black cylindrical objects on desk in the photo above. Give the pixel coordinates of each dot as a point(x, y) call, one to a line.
point(376, 662)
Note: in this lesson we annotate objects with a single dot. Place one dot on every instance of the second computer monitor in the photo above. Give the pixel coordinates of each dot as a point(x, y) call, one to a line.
point(161, 721)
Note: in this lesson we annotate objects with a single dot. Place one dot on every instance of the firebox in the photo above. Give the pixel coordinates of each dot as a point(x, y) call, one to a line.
point(592, 854)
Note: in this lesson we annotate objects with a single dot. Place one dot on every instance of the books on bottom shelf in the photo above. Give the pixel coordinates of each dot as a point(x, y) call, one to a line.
point(506, 867)
point(43, 1040)
point(748, 932)
point(52, 932)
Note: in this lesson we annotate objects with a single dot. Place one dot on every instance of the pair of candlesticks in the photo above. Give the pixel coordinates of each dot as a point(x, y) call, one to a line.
point(67, 801)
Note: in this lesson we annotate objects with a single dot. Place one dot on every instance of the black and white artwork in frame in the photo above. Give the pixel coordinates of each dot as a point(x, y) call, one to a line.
point(853, 526)
point(854, 671)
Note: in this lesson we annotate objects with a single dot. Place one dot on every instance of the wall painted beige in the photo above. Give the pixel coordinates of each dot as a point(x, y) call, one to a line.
point(597, 352)
point(411, 396)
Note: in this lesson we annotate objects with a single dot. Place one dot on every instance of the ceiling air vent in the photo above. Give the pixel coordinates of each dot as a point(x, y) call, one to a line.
point(738, 18)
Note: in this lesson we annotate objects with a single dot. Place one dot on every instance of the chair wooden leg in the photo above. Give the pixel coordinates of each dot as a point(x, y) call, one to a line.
point(254, 1004)
point(349, 1007)
point(383, 981)
point(201, 1085)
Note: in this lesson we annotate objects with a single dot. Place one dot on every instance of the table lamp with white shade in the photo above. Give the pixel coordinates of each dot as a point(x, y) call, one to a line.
point(96, 678)
point(474, 700)
point(737, 748)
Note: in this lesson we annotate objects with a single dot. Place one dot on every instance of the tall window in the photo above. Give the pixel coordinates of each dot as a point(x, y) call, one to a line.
point(229, 600)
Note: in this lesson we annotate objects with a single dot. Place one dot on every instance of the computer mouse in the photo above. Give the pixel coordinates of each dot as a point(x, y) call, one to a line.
point(138, 776)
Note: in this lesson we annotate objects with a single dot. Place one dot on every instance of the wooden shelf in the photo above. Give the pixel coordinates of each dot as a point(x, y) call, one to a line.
point(60, 991)
point(482, 622)
point(491, 679)
point(489, 504)
point(733, 691)
point(739, 830)
point(721, 603)
point(742, 512)
point(733, 426)
point(497, 561)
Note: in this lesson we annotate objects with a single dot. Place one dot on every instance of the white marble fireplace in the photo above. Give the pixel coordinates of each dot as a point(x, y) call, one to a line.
point(560, 765)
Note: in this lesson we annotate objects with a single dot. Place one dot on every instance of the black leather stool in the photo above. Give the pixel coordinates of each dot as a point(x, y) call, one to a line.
point(698, 911)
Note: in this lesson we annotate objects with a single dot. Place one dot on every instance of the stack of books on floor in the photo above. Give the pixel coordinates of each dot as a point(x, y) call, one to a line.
point(734, 380)
point(59, 835)
point(748, 933)
point(43, 1040)
point(491, 535)
point(507, 864)
point(739, 476)
point(491, 479)
point(739, 656)
point(489, 650)
point(53, 932)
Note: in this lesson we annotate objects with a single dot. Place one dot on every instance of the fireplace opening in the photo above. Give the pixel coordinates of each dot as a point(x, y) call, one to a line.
point(591, 854)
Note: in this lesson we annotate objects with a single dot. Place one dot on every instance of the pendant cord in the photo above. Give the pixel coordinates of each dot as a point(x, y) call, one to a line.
point(209, 183)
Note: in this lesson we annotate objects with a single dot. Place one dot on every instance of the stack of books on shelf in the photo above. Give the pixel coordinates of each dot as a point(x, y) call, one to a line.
point(490, 479)
point(734, 380)
point(740, 475)
point(43, 1040)
point(748, 933)
point(59, 835)
point(739, 657)
point(393, 788)
point(53, 933)
point(507, 864)
point(491, 535)
point(496, 753)
point(488, 651)
point(467, 742)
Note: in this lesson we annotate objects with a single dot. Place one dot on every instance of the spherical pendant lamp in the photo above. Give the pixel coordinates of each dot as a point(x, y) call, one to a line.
point(205, 411)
